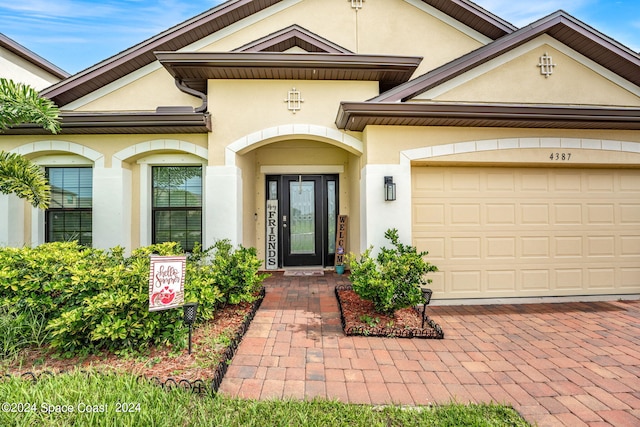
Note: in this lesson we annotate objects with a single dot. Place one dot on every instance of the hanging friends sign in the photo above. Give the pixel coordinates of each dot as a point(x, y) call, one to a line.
point(166, 282)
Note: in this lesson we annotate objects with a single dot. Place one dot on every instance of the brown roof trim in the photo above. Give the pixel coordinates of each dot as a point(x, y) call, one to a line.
point(475, 17)
point(560, 25)
point(24, 53)
point(141, 54)
point(216, 19)
point(355, 116)
point(293, 35)
point(195, 68)
point(124, 123)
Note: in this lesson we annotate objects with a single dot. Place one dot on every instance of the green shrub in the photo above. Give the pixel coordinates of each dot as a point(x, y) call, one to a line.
point(393, 279)
point(95, 300)
point(235, 272)
point(20, 327)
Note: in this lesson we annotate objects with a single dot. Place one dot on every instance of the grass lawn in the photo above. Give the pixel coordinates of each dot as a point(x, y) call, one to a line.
point(82, 399)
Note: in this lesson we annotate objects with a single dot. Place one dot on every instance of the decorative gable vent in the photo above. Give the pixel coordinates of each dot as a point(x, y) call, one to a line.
point(294, 100)
point(546, 65)
point(356, 4)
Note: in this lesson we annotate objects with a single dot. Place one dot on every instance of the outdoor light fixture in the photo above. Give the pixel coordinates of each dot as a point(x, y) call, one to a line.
point(389, 189)
point(426, 294)
point(190, 312)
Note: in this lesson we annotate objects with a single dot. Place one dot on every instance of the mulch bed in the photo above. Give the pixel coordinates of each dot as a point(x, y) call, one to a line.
point(207, 362)
point(360, 318)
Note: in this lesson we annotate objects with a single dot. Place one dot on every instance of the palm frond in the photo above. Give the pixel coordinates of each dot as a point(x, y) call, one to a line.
point(24, 179)
point(20, 103)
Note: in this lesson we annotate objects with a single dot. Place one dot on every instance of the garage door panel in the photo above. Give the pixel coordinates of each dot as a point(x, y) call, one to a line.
point(500, 214)
point(465, 282)
point(567, 214)
point(534, 213)
point(535, 280)
point(630, 246)
point(436, 247)
point(535, 247)
point(534, 182)
point(569, 182)
point(465, 248)
point(499, 248)
point(433, 214)
point(600, 213)
point(601, 246)
point(600, 182)
point(630, 183)
point(601, 278)
point(507, 232)
point(569, 279)
point(465, 214)
point(501, 281)
point(568, 247)
point(630, 278)
point(630, 214)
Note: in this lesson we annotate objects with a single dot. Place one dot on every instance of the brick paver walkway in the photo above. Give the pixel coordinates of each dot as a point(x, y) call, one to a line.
point(572, 364)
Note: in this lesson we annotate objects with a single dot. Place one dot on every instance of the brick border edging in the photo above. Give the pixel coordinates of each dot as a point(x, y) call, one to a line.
point(433, 332)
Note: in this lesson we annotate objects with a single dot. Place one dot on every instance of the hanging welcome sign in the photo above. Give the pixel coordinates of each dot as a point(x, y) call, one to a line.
point(166, 282)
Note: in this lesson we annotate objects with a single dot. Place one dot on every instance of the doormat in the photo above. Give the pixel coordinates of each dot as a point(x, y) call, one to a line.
point(304, 273)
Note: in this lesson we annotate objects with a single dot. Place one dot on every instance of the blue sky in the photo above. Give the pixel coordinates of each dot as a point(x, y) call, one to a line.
point(75, 34)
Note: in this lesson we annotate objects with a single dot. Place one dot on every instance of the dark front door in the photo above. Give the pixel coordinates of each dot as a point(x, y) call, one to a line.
point(307, 218)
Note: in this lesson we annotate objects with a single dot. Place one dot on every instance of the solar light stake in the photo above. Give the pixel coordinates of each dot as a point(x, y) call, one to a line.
point(190, 311)
point(426, 294)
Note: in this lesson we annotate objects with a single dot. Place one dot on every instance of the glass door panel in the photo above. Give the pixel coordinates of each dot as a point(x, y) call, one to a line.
point(302, 217)
point(302, 220)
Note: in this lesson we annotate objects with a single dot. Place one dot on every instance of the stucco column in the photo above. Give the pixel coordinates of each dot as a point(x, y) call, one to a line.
point(111, 207)
point(223, 205)
point(377, 215)
point(12, 225)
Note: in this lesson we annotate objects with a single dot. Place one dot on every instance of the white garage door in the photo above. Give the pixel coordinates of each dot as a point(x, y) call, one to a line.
point(519, 232)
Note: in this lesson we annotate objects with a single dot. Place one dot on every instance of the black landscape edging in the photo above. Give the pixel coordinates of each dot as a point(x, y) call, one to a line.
point(197, 386)
point(433, 332)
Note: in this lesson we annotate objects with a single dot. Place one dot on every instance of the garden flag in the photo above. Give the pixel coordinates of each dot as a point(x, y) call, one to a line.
point(166, 282)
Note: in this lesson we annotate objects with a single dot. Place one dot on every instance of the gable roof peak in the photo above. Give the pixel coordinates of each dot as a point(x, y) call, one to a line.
point(293, 35)
point(560, 25)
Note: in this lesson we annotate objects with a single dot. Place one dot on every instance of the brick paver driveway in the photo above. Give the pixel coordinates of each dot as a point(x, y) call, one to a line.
point(557, 364)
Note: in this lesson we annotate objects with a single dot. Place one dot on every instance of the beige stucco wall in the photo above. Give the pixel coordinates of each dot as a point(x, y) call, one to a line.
point(146, 93)
point(384, 143)
point(107, 145)
point(519, 80)
point(369, 31)
point(22, 71)
point(242, 107)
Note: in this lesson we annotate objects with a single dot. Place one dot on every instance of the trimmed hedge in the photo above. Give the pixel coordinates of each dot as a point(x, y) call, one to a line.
point(96, 300)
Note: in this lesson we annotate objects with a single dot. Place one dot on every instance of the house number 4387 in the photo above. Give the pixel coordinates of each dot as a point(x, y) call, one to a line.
point(560, 156)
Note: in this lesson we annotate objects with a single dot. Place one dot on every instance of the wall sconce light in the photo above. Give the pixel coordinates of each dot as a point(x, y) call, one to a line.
point(389, 189)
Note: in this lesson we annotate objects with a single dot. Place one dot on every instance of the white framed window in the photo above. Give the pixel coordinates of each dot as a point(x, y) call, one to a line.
point(69, 215)
point(176, 205)
point(172, 199)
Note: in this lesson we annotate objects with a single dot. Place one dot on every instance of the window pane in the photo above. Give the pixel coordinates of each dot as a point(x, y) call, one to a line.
point(69, 215)
point(177, 199)
point(302, 217)
point(177, 186)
